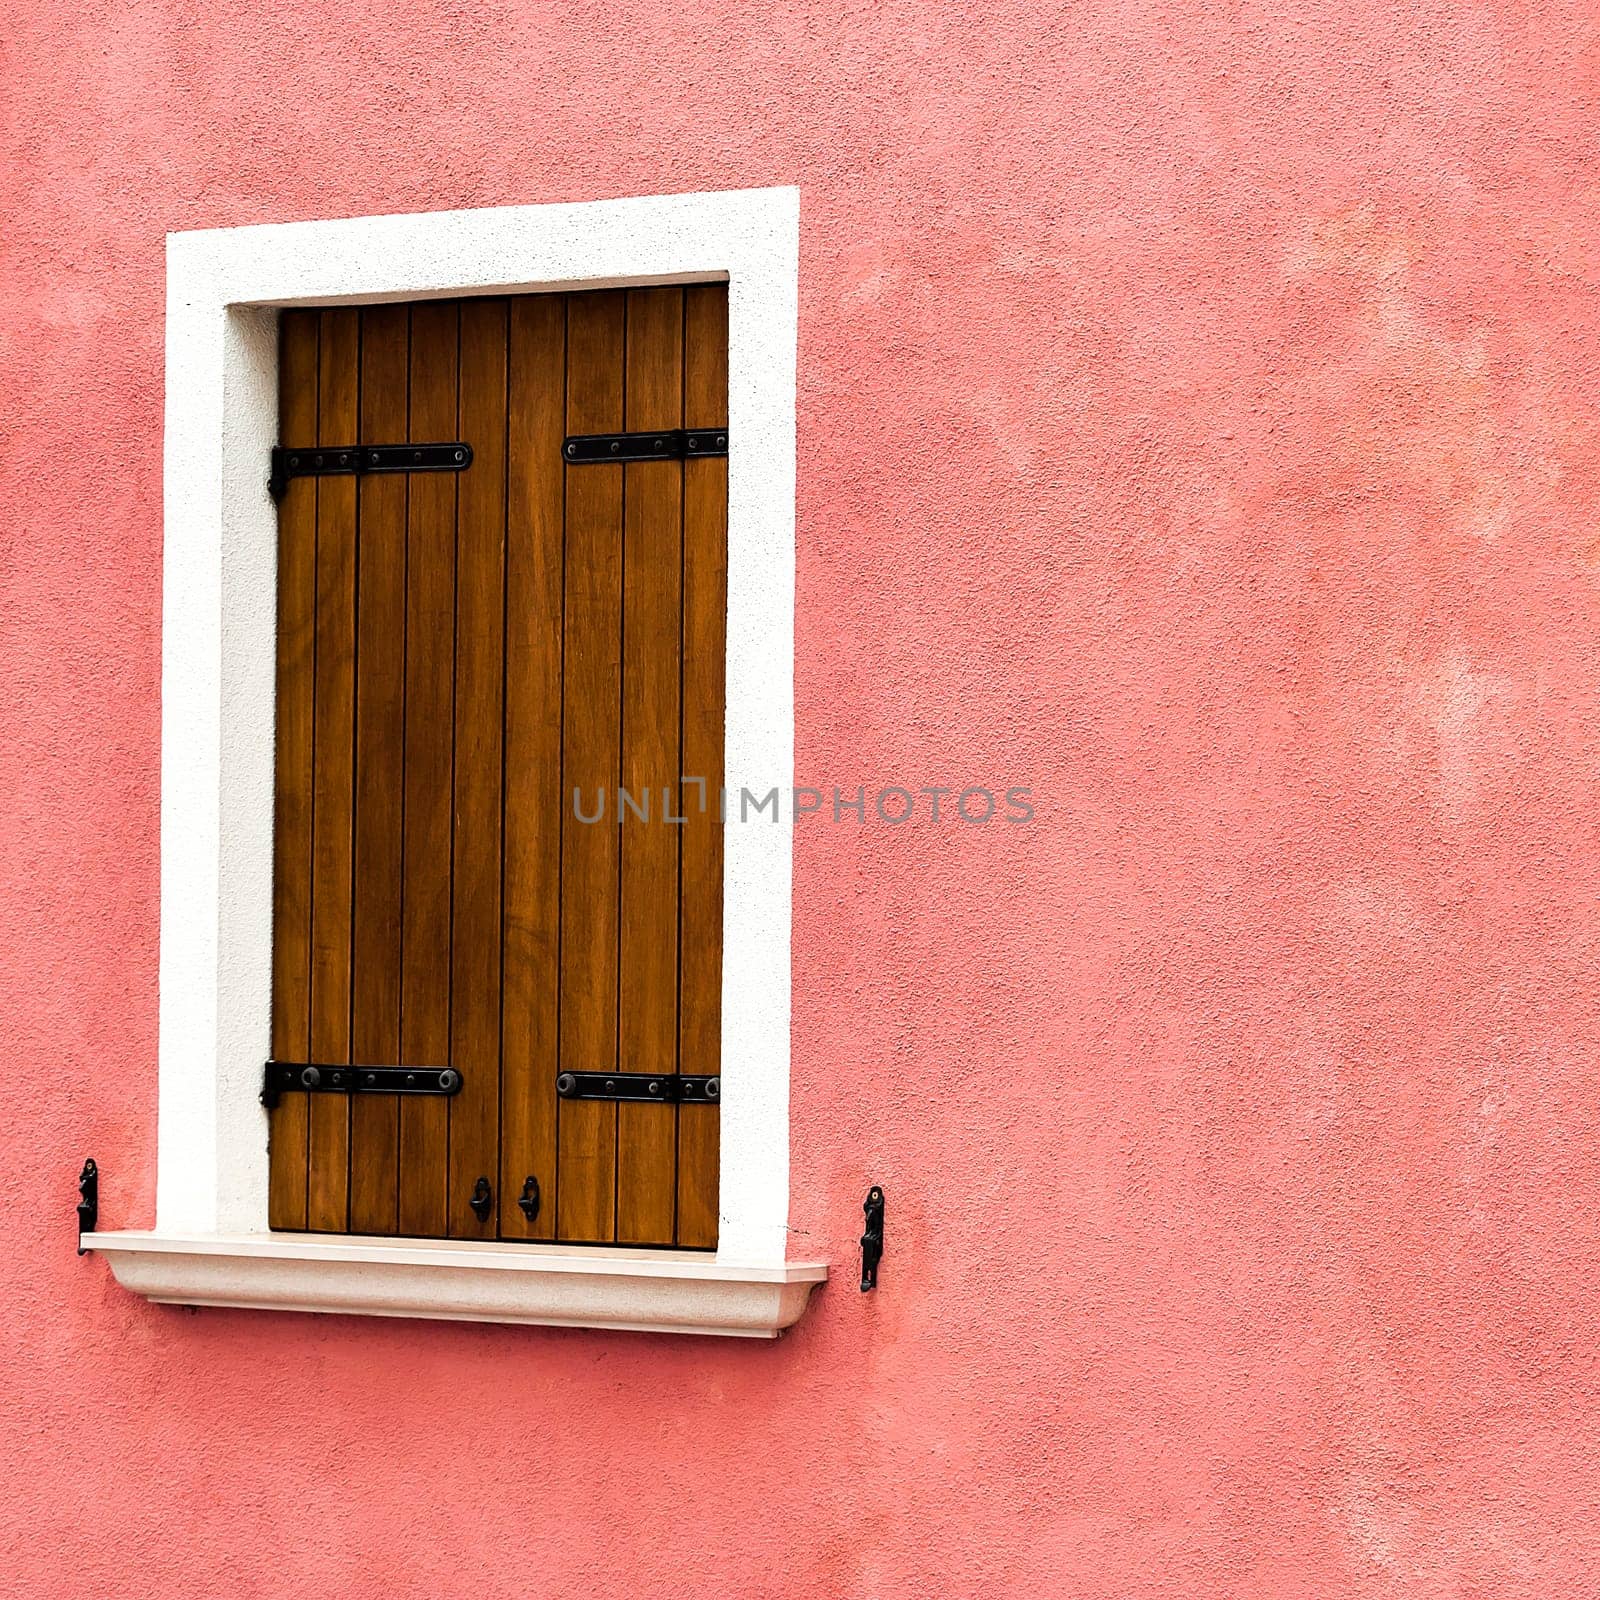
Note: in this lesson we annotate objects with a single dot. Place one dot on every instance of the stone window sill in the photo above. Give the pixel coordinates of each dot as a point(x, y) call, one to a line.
point(567, 1286)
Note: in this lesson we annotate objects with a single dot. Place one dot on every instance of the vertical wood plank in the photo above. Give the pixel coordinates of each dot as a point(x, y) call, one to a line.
point(429, 750)
point(533, 801)
point(705, 614)
point(333, 790)
point(291, 839)
point(590, 744)
point(652, 559)
point(379, 772)
point(479, 756)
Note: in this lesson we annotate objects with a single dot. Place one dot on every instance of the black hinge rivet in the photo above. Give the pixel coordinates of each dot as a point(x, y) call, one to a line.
point(528, 1201)
point(482, 1199)
point(872, 1238)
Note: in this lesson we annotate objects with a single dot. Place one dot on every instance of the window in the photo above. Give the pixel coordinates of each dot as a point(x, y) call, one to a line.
point(226, 294)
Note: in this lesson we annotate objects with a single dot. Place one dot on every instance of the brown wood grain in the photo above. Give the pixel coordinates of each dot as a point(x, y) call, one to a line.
point(479, 724)
point(533, 805)
point(429, 753)
point(291, 840)
point(462, 661)
point(379, 771)
point(333, 789)
point(591, 755)
point(652, 556)
point(705, 589)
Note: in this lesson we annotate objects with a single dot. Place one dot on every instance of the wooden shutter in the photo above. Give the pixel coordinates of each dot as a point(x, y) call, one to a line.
point(458, 653)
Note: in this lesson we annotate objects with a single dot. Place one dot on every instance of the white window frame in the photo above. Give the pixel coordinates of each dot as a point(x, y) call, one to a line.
point(224, 288)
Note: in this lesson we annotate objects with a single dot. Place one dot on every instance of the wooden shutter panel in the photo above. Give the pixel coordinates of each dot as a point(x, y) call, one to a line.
point(591, 752)
point(704, 653)
point(479, 721)
point(535, 583)
point(458, 654)
point(291, 837)
point(332, 788)
point(379, 775)
point(424, 1165)
point(652, 612)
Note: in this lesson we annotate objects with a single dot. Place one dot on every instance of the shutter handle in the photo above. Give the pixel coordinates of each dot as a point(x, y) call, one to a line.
point(872, 1239)
point(482, 1199)
point(528, 1202)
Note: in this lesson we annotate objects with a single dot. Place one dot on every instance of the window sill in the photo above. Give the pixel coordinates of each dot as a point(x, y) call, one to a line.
point(564, 1286)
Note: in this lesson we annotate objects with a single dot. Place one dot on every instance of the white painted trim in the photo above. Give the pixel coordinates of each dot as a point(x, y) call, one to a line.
point(656, 1291)
point(217, 647)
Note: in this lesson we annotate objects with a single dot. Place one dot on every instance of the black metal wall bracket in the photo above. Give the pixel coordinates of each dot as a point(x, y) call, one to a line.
point(872, 1239)
point(286, 1076)
point(320, 461)
point(667, 444)
point(667, 1089)
point(88, 1201)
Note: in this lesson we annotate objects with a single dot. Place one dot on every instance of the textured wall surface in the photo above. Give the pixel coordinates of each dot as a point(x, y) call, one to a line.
point(1197, 423)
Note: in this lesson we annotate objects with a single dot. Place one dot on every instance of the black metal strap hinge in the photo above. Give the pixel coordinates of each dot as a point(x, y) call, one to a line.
point(320, 461)
point(666, 1089)
point(284, 1077)
point(668, 444)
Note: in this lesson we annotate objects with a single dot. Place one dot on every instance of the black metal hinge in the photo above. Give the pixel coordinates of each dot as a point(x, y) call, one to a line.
point(667, 1089)
point(320, 461)
point(669, 444)
point(284, 1077)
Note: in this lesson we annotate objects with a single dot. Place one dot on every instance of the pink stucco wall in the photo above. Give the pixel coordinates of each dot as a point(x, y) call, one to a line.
point(1197, 422)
